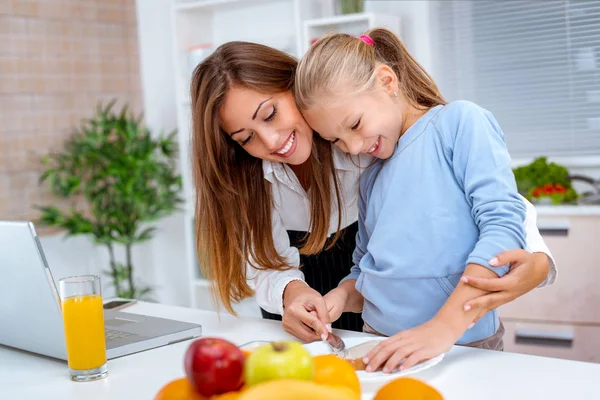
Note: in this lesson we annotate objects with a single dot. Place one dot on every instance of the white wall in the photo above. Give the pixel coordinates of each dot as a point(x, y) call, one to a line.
point(167, 267)
point(415, 24)
point(80, 256)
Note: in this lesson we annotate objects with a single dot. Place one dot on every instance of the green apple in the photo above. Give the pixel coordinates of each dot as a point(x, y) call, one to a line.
point(279, 360)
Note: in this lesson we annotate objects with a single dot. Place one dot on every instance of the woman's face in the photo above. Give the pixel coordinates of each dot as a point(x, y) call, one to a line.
point(267, 126)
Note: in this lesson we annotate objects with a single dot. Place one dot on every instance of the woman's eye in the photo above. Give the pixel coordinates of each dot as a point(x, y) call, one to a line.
point(247, 139)
point(356, 125)
point(272, 115)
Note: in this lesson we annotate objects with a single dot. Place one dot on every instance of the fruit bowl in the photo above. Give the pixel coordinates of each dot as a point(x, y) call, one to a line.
point(319, 348)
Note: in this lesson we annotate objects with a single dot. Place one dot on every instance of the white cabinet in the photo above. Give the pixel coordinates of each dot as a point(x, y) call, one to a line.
point(571, 304)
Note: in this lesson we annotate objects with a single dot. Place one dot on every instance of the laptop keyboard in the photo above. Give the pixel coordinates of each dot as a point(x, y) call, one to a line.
point(113, 336)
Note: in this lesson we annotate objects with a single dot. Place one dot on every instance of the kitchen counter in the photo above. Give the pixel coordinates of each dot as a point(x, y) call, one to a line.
point(464, 374)
point(580, 210)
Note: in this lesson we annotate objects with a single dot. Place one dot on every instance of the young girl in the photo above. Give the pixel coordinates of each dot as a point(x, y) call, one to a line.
point(433, 211)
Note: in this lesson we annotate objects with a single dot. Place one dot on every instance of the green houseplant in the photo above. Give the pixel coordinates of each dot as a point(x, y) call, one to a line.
point(119, 179)
point(543, 180)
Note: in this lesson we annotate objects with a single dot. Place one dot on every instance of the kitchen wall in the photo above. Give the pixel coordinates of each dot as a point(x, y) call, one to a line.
point(58, 58)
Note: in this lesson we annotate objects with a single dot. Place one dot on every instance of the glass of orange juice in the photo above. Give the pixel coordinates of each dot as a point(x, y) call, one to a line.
point(83, 318)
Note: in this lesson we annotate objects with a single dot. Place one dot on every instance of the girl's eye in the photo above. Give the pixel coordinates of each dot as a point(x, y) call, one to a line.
point(272, 115)
point(247, 139)
point(356, 125)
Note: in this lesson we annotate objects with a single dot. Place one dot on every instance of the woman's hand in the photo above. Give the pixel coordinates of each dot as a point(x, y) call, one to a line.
point(305, 314)
point(527, 271)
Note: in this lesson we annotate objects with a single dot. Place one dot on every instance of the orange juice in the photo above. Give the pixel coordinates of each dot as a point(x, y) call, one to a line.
point(84, 331)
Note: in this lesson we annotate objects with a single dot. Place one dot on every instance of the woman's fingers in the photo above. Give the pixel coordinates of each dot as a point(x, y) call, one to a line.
point(323, 323)
point(507, 282)
point(489, 301)
point(301, 323)
point(509, 257)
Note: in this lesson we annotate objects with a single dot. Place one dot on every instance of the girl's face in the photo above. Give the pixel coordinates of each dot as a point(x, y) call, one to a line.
point(267, 126)
point(368, 122)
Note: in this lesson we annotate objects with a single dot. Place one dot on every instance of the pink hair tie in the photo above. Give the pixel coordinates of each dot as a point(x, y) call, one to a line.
point(367, 40)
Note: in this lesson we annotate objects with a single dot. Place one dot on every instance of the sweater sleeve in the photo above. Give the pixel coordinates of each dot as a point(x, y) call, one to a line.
point(481, 164)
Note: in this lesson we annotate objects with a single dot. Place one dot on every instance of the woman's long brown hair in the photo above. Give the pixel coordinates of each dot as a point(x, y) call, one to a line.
point(233, 200)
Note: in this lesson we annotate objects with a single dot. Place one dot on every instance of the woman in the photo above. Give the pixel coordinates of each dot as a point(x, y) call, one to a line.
point(264, 181)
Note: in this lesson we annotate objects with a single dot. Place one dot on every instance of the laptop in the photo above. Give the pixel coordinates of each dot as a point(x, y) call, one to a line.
point(30, 312)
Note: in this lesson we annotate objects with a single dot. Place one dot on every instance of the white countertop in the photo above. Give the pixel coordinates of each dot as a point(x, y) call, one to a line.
point(566, 211)
point(464, 374)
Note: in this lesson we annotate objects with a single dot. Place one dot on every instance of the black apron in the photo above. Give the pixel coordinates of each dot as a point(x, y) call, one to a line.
point(324, 271)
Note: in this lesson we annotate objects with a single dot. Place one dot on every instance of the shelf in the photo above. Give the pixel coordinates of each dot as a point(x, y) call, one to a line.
point(202, 283)
point(339, 19)
point(212, 5)
point(351, 24)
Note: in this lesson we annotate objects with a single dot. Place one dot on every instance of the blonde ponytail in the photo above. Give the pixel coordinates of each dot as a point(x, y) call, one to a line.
point(340, 63)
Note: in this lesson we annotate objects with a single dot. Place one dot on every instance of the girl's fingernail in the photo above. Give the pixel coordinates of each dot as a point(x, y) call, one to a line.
point(493, 261)
point(323, 336)
point(328, 326)
point(467, 307)
point(365, 360)
point(465, 279)
point(472, 325)
point(401, 368)
point(369, 369)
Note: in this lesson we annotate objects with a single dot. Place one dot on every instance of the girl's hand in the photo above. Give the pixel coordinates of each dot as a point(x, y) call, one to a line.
point(304, 312)
point(335, 302)
point(410, 347)
point(527, 271)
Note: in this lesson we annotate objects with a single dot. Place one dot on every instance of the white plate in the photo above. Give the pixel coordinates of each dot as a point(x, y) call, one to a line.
point(319, 348)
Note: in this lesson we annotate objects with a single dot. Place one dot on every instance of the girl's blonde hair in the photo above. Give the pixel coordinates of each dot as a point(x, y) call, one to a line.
point(339, 64)
point(233, 200)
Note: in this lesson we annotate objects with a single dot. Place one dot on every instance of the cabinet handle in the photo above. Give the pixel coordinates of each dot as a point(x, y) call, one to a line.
point(556, 228)
point(554, 231)
point(544, 338)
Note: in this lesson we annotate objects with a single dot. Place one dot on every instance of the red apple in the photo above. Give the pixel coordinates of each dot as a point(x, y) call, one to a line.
point(214, 366)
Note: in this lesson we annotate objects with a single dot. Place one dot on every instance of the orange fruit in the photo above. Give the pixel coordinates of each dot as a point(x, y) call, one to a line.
point(407, 389)
point(246, 353)
point(179, 389)
point(332, 370)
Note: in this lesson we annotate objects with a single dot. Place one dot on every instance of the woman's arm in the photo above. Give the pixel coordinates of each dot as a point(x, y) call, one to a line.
point(285, 293)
